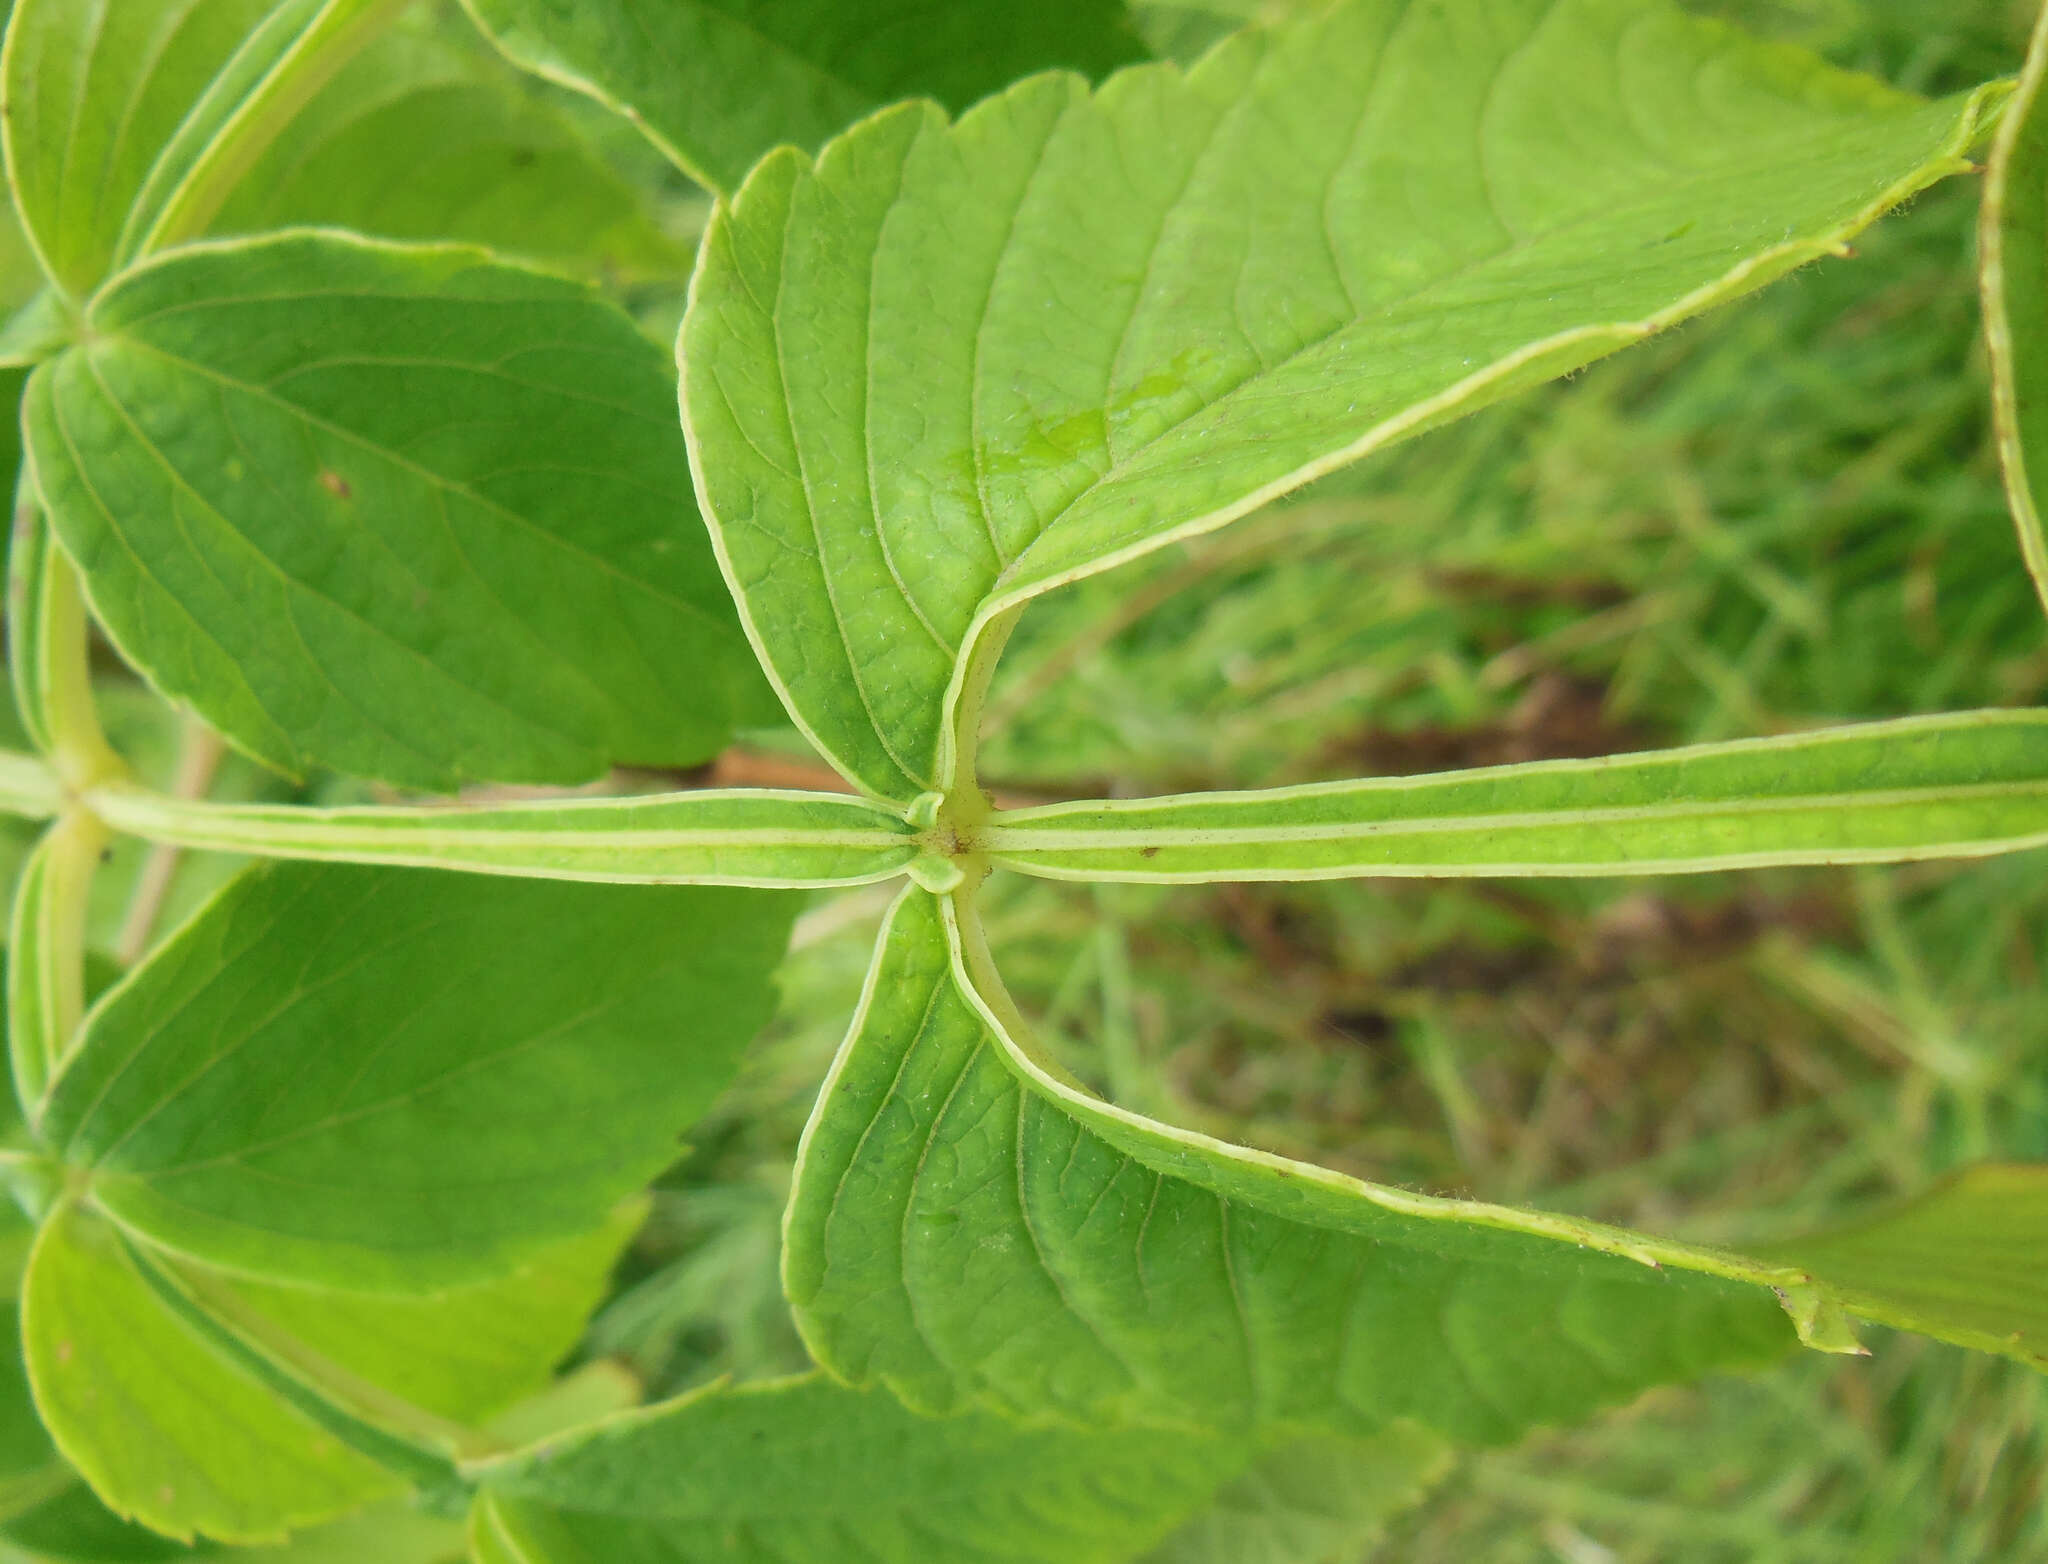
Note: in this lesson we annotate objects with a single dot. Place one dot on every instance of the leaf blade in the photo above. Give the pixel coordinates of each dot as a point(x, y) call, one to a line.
point(683, 1481)
point(1967, 1261)
point(948, 367)
point(965, 1231)
point(458, 1034)
point(715, 84)
point(968, 1228)
point(240, 457)
point(1311, 1501)
point(426, 1367)
point(420, 138)
point(120, 1382)
point(112, 109)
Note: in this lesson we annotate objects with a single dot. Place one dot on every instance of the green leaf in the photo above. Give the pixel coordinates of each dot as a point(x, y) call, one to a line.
point(808, 1472)
point(74, 1527)
point(969, 1229)
point(166, 1428)
point(459, 1354)
point(599, 1388)
point(124, 120)
point(417, 139)
point(754, 836)
point(1311, 1501)
point(387, 1375)
point(38, 330)
point(1967, 1262)
point(389, 1534)
point(281, 521)
point(966, 1230)
point(1950, 786)
point(716, 83)
point(952, 366)
point(29, 1469)
point(2012, 248)
point(510, 1057)
point(21, 275)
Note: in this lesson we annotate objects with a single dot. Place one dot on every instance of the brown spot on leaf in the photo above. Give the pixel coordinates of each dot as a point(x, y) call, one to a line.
point(335, 484)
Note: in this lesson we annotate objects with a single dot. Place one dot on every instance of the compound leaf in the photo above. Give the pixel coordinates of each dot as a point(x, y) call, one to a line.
point(387, 1079)
point(716, 83)
point(408, 512)
point(964, 1231)
point(809, 1472)
point(417, 138)
point(1955, 785)
point(166, 1428)
point(950, 366)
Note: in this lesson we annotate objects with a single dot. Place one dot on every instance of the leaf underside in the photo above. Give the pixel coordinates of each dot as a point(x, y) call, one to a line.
point(964, 1234)
point(967, 1229)
point(953, 365)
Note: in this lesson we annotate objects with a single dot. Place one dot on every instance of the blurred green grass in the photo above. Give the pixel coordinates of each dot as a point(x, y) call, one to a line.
point(1783, 515)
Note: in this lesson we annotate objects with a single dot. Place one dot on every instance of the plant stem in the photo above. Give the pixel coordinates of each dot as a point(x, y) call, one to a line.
point(966, 804)
point(199, 754)
point(340, 32)
point(46, 967)
point(49, 646)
